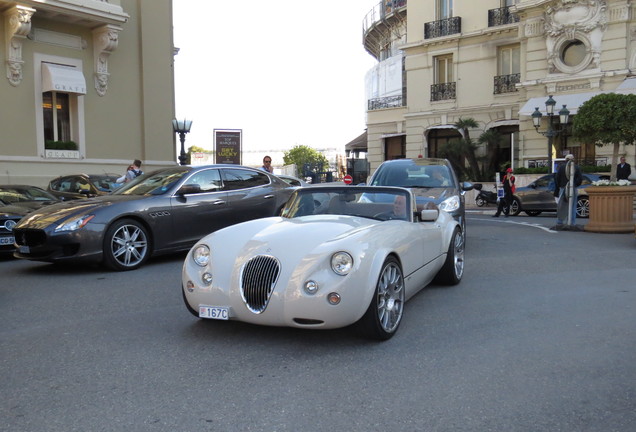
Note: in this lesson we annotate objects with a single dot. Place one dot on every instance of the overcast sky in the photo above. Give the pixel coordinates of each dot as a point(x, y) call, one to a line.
point(285, 72)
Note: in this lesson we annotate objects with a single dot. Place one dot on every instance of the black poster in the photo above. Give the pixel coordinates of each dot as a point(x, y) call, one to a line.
point(227, 146)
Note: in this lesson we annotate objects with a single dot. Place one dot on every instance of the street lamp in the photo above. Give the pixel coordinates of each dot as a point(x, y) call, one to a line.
point(182, 127)
point(564, 115)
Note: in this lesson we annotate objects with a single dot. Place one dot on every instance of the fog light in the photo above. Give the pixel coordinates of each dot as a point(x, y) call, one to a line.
point(333, 298)
point(206, 278)
point(311, 287)
point(190, 286)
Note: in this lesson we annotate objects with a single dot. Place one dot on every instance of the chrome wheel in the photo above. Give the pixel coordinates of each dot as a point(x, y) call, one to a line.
point(453, 270)
point(582, 207)
point(126, 245)
point(390, 297)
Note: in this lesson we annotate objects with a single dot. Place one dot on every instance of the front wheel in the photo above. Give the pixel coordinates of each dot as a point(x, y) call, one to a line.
point(126, 245)
point(480, 201)
point(515, 207)
point(453, 270)
point(383, 317)
point(583, 207)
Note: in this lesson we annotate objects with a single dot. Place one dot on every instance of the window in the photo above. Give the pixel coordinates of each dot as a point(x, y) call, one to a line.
point(444, 69)
point(573, 53)
point(509, 60)
point(208, 180)
point(444, 9)
point(242, 179)
point(56, 114)
point(506, 3)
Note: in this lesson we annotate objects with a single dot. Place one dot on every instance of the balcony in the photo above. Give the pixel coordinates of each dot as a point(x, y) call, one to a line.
point(380, 23)
point(501, 16)
point(506, 83)
point(443, 91)
point(385, 102)
point(444, 27)
point(86, 13)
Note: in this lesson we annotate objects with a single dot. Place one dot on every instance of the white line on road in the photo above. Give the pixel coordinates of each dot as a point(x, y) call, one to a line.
point(532, 225)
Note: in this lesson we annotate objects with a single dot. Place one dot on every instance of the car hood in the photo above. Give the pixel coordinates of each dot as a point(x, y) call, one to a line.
point(436, 195)
point(55, 213)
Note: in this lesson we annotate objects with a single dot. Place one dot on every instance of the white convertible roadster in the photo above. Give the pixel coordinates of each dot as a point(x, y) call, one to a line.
point(337, 255)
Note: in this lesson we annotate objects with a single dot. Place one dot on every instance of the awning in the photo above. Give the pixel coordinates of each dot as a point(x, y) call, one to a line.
point(62, 78)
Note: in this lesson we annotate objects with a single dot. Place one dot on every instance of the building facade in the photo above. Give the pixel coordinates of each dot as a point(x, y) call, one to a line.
point(87, 86)
point(494, 61)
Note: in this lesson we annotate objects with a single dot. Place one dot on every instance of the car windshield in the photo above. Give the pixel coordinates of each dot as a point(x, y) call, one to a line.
point(13, 195)
point(104, 183)
point(155, 183)
point(374, 203)
point(414, 175)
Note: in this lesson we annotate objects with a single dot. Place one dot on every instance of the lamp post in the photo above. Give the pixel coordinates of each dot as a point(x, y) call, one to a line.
point(564, 115)
point(182, 127)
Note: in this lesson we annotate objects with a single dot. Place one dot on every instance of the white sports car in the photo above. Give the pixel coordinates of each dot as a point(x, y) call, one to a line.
point(337, 255)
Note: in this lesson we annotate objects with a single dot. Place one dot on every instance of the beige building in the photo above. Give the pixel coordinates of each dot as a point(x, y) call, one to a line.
point(494, 61)
point(86, 86)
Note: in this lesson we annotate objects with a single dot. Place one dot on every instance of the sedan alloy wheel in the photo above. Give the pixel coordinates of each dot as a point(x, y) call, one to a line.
point(126, 245)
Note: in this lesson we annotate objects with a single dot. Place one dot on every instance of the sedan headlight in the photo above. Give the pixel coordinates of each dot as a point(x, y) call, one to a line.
point(201, 255)
point(341, 263)
point(74, 224)
point(450, 204)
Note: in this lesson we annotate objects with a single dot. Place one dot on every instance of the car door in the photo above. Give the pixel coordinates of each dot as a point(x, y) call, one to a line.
point(251, 194)
point(541, 197)
point(202, 210)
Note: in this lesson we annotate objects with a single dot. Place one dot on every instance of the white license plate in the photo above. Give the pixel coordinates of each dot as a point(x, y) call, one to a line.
point(6, 240)
point(24, 249)
point(214, 312)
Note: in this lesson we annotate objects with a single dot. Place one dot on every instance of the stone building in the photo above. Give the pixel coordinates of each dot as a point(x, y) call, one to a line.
point(87, 86)
point(495, 61)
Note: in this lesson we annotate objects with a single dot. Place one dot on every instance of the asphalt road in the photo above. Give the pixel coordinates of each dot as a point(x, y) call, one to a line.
point(539, 336)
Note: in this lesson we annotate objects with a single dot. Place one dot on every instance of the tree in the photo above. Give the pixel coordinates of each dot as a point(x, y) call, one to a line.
point(607, 118)
point(195, 149)
point(301, 155)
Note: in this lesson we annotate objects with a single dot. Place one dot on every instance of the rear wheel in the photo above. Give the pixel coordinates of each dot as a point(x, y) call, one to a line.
point(515, 207)
point(480, 201)
point(453, 270)
point(583, 207)
point(383, 317)
point(126, 245)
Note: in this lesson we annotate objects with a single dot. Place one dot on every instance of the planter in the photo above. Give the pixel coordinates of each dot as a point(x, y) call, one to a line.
point(611, 209)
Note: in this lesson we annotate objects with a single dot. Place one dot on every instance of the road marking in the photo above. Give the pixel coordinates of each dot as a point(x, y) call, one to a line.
point(532, 225)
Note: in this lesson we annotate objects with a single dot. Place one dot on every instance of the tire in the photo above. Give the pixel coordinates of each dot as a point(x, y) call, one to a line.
point(384, 315)
point(453, 270)
point(583, 207)
point(515, 207)
point(126, 245)
point(533, 212)
point(480, 201)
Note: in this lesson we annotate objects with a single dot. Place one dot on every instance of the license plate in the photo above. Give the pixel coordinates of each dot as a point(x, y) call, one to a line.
point(6, 240)
point(24, 249)
point(214, 312)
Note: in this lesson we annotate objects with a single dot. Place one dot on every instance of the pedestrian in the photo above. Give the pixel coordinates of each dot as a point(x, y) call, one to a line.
point(566, 180)
point(267, 164)
point(121, 180)
point(135, 172)
point(508, 184)
point(623, 170)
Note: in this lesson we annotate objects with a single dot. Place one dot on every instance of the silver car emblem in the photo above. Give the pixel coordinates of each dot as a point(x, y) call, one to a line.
point(9, 225)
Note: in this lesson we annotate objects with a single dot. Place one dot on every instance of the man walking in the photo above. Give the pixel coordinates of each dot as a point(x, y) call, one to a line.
point(566, 180)
point(623, 170)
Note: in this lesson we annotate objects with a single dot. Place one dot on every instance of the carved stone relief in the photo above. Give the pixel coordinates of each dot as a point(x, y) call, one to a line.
point(105, 40)
point(17, 27)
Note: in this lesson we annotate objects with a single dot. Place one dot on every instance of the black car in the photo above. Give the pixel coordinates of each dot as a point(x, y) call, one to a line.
point(10, 215)
point(29, 197)
point(164, 211)
point(538, 196)
point(78, 186)
point(430, 179)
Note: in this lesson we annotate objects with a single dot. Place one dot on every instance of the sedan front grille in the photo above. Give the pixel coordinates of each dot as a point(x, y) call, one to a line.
point(258, 279)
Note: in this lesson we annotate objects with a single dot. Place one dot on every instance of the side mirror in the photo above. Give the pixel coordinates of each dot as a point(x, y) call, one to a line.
point(189, 189)
point(466, 186)
point(429, 215)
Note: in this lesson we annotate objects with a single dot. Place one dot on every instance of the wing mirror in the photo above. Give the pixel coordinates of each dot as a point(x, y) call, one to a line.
point(189, 189)
point(466, 186)
point(429, 215)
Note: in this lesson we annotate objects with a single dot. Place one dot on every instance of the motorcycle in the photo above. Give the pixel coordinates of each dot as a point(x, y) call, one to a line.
point(484, 197)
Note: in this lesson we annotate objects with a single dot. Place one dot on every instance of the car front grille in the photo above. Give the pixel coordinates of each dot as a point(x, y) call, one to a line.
point(29, 237)
point(258, 279)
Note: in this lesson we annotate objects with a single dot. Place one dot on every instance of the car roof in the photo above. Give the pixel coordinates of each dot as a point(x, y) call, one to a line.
point(418, 161)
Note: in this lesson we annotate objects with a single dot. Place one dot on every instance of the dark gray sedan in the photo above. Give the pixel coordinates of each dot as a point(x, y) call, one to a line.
point(159, 212)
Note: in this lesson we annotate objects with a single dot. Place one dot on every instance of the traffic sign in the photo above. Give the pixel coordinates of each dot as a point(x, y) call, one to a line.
point(347, 179)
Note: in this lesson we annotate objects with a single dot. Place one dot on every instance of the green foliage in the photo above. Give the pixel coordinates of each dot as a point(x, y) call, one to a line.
point(301, 155)
point(60, 145)
point(195, 149)
point(607, 118)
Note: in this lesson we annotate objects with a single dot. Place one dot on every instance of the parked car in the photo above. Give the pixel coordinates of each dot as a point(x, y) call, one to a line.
point(337, 255)
point(538, 196)
point(160, 212)
point(29, 197)
point(10, 215)
point(294, 181)
point(430, 179)
point(78, 186)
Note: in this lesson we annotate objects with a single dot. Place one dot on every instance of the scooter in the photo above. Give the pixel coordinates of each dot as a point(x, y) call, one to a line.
point(484, 197)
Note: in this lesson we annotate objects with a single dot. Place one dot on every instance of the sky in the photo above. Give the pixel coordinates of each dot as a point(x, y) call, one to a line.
point(286, 73)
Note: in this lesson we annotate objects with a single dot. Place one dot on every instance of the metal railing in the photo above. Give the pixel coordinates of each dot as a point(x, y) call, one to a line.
point(501, 16)
point(444, 27)
point(444, 91)
point(385, 102)
point(506, 83)
point(380, 12)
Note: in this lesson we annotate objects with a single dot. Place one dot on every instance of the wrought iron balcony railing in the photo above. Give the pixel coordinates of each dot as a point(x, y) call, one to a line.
point(444, 91)
point(506, 83)
point(501, 16)
point(444, 27)
point(385, 102)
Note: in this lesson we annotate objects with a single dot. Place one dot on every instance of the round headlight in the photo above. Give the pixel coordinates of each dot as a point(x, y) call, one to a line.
point(201, 255)
point(341, 263)
point(311, 287)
